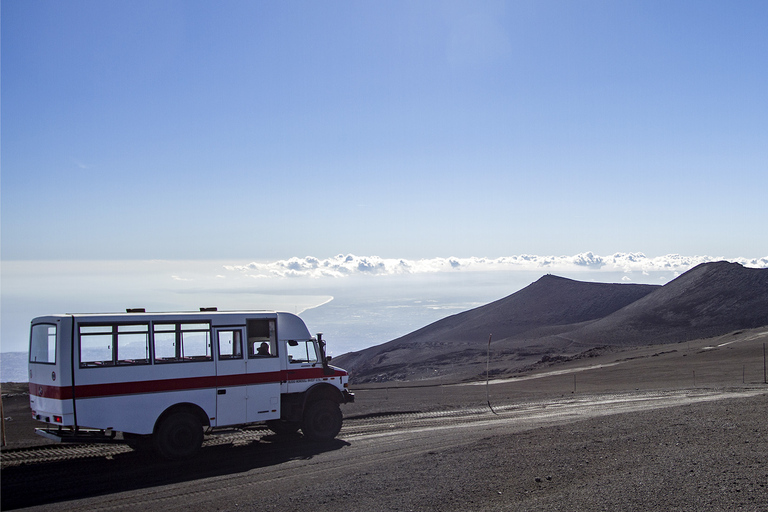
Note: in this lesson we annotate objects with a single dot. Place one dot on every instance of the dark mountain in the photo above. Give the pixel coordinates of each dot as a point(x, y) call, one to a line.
point(709, 300)
point(547, 303)
point(555, 315)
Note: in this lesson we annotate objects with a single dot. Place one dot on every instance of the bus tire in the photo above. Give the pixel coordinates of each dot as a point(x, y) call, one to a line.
point(322, 420)
point(179, 436)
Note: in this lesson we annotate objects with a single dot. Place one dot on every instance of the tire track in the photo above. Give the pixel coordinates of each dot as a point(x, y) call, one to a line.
point(397, 422)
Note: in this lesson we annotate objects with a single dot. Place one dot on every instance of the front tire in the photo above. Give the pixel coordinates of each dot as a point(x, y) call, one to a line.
point(179, 436)
point(322, 420)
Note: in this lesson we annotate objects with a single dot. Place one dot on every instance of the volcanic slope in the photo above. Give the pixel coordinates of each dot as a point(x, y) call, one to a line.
point(709, 300)
point(548, 304)
point(560, 316)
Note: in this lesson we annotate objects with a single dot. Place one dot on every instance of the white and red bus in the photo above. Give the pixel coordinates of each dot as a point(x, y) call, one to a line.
point(164, 379)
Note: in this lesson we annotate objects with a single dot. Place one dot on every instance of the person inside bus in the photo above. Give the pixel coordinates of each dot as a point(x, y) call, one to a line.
point(263, 349)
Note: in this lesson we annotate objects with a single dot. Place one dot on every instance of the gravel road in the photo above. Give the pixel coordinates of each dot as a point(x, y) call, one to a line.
point(703, 449)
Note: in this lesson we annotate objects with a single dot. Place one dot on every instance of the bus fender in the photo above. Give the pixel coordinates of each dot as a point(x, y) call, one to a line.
point(323, 392)
point(193, 409)
point(293, 405)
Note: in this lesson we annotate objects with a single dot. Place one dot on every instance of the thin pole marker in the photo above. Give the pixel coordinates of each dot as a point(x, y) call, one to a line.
point(487, 376)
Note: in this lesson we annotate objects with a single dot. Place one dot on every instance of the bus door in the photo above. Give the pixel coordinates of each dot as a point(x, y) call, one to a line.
point(263, 367)
point(231, 370)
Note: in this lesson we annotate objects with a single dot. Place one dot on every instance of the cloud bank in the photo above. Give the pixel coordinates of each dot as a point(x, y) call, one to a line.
point(348, 265)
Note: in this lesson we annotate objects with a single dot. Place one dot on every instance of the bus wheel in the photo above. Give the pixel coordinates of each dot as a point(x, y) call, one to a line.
point(179, 436)
point(322, 420)
point(283, 428)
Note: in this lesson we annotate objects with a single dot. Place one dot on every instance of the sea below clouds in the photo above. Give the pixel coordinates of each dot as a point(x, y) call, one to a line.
point(13, 367)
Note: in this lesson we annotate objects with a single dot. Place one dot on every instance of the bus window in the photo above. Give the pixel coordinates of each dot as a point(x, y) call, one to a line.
point(133, 344)
point(230, 345)
point(195, 341)
point(95, 345)
point(165, 343)
point(182, 342)
point(262, 337)
point(107, 345)
point(42, 345)
point(302, 352)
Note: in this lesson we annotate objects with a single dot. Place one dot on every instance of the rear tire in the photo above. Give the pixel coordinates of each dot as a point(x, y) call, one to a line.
point(322, 420)
point(179, 436)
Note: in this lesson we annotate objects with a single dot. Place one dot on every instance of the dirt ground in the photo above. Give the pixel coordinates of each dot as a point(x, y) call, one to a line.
point(708, 455)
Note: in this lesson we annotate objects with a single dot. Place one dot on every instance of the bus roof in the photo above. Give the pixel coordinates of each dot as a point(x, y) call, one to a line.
point(290, 326)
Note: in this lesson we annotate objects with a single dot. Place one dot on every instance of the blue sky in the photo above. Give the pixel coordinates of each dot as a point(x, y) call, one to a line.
point(240, 131)
point(183, 130)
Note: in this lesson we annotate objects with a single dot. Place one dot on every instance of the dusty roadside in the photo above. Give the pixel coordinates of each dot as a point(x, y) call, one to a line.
point(707, 456)
point(710, 455)
point(17, 419)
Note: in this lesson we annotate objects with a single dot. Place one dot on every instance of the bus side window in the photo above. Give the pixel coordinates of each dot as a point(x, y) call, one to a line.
point(182, 342)
point(230, 345)
point(196, 342)
point(108, 345)
point(96, 346)
point(262, 337)
point(166, 348)
point(133, 344)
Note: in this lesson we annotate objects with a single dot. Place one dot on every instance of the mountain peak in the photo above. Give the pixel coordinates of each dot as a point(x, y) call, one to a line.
point(708, 300)
point(556, 314)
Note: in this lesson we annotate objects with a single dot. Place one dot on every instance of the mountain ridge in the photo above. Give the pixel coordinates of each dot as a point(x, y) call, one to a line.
point(555, 315)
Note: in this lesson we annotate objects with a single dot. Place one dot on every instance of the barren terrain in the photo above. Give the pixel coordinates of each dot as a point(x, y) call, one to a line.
point(555, 316)
point(671, 427)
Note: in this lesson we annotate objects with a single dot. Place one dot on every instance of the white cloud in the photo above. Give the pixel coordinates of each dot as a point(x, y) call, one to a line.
point(348, 265)
point(372, 287)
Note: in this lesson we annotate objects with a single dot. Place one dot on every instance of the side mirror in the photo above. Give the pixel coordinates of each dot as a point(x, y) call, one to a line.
point(293, 343)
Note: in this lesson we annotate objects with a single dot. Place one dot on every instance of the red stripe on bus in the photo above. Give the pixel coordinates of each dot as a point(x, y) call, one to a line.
point(189, 383)
point(54, 392)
